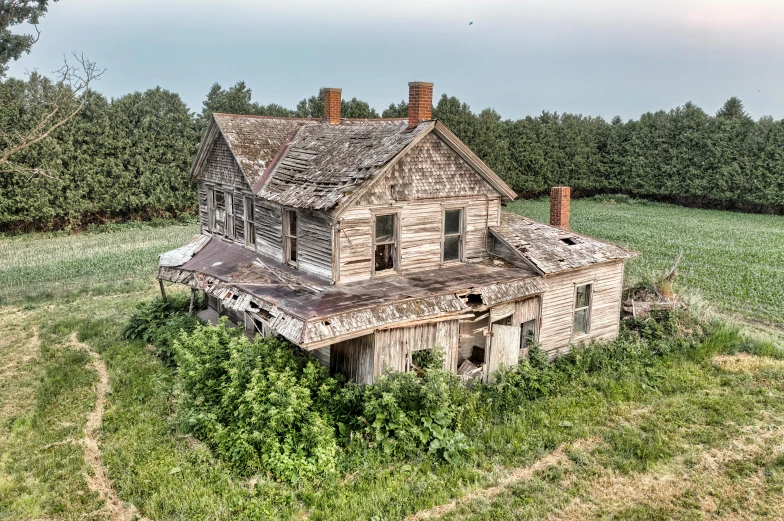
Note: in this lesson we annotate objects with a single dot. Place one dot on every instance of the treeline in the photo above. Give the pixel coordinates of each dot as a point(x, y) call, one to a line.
point(129, 157)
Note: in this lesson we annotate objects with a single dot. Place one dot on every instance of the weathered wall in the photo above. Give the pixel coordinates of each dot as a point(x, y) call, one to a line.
point(430, 170)
point(269, 229)
point(314, 243)
point(395, 346)
point(420, 235)
point(558, 305)
point(354, 358)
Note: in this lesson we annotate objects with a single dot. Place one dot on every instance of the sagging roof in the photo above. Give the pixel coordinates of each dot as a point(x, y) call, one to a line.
point(311, 313)
point(308, 163)
point(550, 249)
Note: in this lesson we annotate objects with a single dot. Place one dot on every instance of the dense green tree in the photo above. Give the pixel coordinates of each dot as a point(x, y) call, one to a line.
point(396, 111)
point(16, 12)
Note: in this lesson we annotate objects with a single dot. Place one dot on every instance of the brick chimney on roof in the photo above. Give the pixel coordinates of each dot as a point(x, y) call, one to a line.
point(420, 102)
point(559, 206)
point(332, 105)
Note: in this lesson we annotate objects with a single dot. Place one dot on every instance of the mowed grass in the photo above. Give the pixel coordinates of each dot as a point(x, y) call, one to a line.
point(41, 266)
point(732, 260)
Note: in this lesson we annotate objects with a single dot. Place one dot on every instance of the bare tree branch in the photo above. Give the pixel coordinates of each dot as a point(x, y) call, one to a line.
point(71, 93)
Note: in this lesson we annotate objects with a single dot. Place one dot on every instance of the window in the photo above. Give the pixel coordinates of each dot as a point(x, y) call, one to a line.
point(217, 211)
point(527, 333)
point(228, 230)
point(582, 310)
point(250, 223)
point(290, 236)
point(453, 235)
point(385, 241)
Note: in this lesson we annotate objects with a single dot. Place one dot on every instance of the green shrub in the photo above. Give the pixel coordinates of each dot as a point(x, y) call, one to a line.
point(160, 323)
point(404, 413)
point(260, 407)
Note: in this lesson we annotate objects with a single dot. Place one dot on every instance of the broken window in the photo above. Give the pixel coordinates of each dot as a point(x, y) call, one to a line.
point(290, 236)
point(582, 309)
point(385, 242)
point(216, 209)
point(250, 223)
point(453, 235)
point(228, 230)
point(527, 333)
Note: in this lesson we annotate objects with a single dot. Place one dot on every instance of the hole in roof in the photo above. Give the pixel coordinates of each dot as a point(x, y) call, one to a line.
point(569, 241)
point(326, 322)
point(474, 299)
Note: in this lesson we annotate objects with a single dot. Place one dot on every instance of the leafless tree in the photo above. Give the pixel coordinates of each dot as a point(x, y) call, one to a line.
point(70, 93)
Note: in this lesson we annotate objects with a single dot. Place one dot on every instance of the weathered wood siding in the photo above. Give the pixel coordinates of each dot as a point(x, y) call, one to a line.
point(204, 217)
point(395, 346)
point(221, 167)
point(354, 358)
point(314, 243)
point(420, 235)
point(473, 334)
point(430, 170)
point(558, 305)
point(269, 229)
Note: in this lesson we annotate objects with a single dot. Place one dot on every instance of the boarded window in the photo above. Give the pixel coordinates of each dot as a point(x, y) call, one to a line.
point(453, 235)
point(385, 242)
point(250, 223)
point(582, 310)
point(290, 230)
point(228, 229)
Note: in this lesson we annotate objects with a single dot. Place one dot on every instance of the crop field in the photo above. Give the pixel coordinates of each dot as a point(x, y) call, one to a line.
point(40, 266)
point(734, 261)
point(684, 438)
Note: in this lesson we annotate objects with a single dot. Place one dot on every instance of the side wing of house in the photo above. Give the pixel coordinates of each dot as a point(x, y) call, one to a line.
point(581, 305)
point(428, 186)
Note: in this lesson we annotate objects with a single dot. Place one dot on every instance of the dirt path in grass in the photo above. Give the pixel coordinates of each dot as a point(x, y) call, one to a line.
point(99, 482)
point(557, 457)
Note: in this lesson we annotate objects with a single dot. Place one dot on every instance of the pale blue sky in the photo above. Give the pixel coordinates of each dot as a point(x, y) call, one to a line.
point(599, 57)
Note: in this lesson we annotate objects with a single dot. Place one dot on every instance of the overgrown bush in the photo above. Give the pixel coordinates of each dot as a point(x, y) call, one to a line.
point(259, 406)
point(265, 408)
point(160, 323)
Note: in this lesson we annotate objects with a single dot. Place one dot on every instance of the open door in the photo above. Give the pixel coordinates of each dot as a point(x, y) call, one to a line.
point(504, 349)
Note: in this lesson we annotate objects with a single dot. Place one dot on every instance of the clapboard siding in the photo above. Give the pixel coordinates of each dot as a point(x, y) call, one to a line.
point(558, 305)
point(421, 223)
point(314, 243)
point(269, 229)
point(395, 346)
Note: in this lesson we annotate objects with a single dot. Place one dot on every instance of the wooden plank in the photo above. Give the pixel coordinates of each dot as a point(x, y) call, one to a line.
point(504, 349)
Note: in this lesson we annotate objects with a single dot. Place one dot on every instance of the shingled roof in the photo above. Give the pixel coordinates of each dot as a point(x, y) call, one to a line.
point(550, 249)
point(308, 163)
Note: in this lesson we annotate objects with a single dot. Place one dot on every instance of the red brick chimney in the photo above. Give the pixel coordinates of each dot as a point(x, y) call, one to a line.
point(420, 102)
point(332, 105)
point(559, 206)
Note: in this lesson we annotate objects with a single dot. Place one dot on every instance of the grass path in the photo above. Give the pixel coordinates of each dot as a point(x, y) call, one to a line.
point(98, 481)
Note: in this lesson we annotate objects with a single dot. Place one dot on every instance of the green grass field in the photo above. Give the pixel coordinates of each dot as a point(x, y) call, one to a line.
point(734, 261)
point(684, 439)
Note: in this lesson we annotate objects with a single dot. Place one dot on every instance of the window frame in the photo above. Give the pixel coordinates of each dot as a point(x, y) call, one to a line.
point(249, 219)
point(587, 308)
point(460, 234)
point(381, 212)
point(287, 236)
point(228, 225)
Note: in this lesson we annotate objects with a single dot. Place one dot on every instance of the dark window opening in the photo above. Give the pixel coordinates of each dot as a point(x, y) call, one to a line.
point(385, 242)
point(527, 333)
point(453, 235)
point(263, 313)
point(290, 236)
point(569, 241)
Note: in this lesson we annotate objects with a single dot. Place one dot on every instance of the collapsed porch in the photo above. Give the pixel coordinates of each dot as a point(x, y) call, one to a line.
point(459, 306)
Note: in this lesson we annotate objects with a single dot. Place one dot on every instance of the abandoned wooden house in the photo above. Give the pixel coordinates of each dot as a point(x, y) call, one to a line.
point(366, 241)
